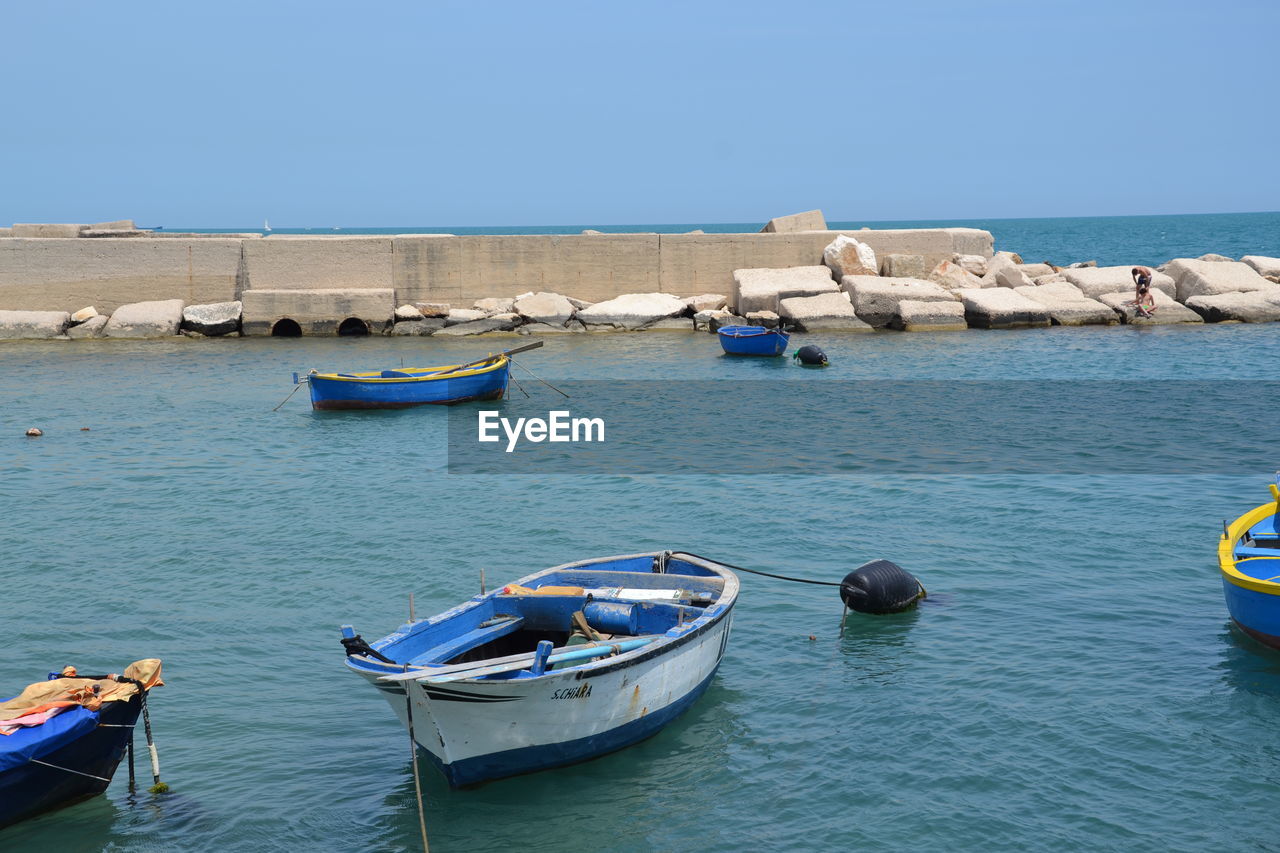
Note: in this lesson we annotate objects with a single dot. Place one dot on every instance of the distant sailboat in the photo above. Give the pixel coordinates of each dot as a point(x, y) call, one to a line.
point(266, 226)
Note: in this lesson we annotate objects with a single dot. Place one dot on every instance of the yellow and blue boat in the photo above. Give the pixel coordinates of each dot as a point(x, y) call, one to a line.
point(485, 379)
point(1249, 559)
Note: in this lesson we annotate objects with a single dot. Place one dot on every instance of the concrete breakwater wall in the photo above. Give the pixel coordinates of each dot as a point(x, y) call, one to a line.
point(48, 273)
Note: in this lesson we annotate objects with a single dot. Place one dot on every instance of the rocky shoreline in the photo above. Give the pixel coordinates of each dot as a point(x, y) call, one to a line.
point(848, 289)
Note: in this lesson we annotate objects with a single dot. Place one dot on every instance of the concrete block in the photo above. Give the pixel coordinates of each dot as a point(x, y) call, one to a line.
point(975, 264)
point(1262, 265)
point(898, 265)
point(317, 312)
point(6, 232)
point(29, 325)
point(67, 274)
point(1067, 306)
point(84, 314)
point(1168, 312)
point(1012, 276)
point(761, 289)
point(1212, 257)
point(827, 311)
point(1093, 282)
point(318, 263)
point(706, 302)
point(767, 319)
point(46, 230)
point(160, 318)
point(810, 220)
point(432, 309)
point(1210, 278)
point(114, 225)
point(670, 324)
point(1001, 308)
point(221, 318)
point(916, 316)
point(572, 328)
point(1256, 306)
point(494, 305)
point(876, 298)
point(632, 310)
point(1033, 271)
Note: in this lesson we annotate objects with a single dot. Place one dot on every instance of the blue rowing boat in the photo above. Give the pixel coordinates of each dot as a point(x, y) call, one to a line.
point(562, 666)
point(61, 739)
point(485, 379)
point(1249, 561)
point(752, 340)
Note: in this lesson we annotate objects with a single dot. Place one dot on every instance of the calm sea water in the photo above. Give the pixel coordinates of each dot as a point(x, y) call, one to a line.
point(1110, 240)
point(1071, 682)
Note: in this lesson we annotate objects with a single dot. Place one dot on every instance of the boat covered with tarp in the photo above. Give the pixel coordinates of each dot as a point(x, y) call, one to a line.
point(752, 340)
point(1249, 561)
point(61, 739)
point(561, 666)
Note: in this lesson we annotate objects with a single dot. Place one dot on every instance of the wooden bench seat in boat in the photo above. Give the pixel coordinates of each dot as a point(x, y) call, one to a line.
point(444, 652)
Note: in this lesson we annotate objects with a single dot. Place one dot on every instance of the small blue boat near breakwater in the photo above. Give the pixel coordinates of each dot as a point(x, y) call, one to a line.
point(485, 379)
point(562, 666)
point(752, 340)
point(1249, 560)
point(61, 739)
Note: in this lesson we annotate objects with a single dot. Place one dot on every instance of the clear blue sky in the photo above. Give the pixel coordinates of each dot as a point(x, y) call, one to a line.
point(503, 113)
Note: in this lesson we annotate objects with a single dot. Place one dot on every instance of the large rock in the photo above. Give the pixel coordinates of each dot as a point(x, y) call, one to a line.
point(1168, 312)
point(432, 309)
point(496, 323)
point(998, 262)
point(91, 328)
point(27, 325)
point(421, 327)
point(1001, 308)
point(632, 310)
point(494, 305)
point(875, 298)
point(706, 302)
point(898, 265)
point(670, 324)
point(719, 319)
point(827, 311)
point(1255, 306)
point(766, 319)
point(157, 319)
point(1067, 306)
point(810, 220)
point(976, 264)
point(1012, 276)
point(1262, 265)
point(220, 318)
point(407, 312)
point(1215, 258)
point(1033, 271)
point(952, 276)
point(916, 316)
point(846, 256)
point(1094, 282)
point(761, 289)
point(573, 327)
point(458, 316)
point(1209, 278)
point(84, 314)
point(550, 308)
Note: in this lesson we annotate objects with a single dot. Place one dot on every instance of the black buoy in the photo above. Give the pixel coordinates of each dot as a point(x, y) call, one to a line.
point(880, 587)
point(811, 356)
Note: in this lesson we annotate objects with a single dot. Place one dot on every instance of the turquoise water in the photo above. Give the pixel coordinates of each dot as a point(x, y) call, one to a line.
point(1109, 240)
point(1072, 681)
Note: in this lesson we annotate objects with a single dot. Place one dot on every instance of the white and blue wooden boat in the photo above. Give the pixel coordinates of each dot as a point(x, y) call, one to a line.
point(485, 379)
point(564, 665)
point(1249, 561)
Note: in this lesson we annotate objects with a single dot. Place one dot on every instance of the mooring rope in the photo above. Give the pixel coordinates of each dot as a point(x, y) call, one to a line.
point(758, 572)
point(413, 746)
point(539, 378)
point(68, 769)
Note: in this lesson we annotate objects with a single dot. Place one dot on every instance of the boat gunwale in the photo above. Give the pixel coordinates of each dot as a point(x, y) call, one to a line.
point(447, 371)
point(711, 616)
point(1226, 551)
point(734, 332)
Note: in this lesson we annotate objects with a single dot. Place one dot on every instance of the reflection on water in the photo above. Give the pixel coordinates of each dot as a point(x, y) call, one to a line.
point(1247, 665)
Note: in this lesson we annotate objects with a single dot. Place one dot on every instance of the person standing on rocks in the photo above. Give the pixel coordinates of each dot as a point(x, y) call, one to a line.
point(1143, 299)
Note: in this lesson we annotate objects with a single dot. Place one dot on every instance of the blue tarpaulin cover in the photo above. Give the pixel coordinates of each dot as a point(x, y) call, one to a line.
point(37, 741)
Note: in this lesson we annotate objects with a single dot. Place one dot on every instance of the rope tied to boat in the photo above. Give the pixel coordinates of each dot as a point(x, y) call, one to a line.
point(758, 572)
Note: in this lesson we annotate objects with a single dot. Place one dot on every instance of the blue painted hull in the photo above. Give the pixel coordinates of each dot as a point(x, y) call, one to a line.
point(1256, 613)
point(377, 392)
point(752, 340)
point(30, 789)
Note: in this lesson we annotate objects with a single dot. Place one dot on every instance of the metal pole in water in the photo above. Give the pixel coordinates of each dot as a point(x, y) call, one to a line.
point(413, 749)
point(482, 581)
point(410, 607)
point(844, 614)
